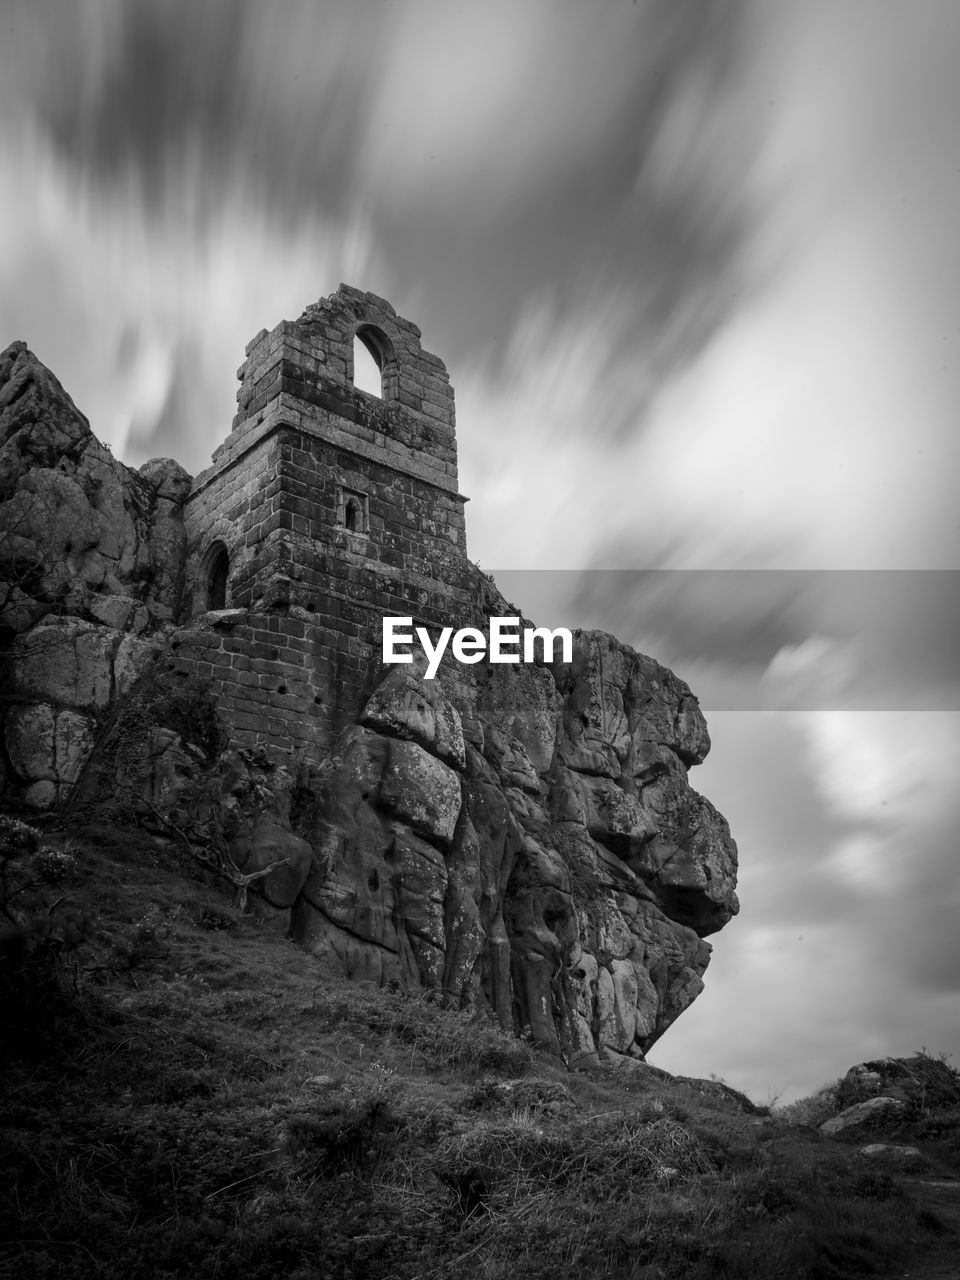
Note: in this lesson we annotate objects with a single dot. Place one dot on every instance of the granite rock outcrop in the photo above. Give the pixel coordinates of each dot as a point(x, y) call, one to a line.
point(91, 564)
point(571, 891)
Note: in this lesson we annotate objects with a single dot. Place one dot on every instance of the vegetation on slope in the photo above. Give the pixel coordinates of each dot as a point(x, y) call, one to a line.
point(187, 1094)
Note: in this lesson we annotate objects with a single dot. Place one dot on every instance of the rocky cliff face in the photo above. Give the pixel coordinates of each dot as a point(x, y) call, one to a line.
point(80, 531)
point(553, 860)
point(91, 557)
point(521, 836)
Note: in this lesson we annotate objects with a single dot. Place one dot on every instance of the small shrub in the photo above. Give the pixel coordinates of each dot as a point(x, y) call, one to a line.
point(59, 868)
point(216, 919)
point(119, 771)
point(812, 1110)
point(145, 944)
point(349, 1126)
point(532, 1095)
point(17, 838)
point(39, 928)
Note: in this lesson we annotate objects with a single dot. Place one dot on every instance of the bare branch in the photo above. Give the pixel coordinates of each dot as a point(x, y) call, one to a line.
point(222, 864)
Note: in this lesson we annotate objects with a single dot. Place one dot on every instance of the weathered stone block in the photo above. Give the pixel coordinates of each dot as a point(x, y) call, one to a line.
point(614, 818)
point(404, 705)
point(870, 1114)
point(66, 661)
point(46, 746)
point(421, 789)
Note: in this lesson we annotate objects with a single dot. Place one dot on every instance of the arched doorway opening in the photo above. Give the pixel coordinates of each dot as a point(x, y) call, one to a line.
point(218, 573)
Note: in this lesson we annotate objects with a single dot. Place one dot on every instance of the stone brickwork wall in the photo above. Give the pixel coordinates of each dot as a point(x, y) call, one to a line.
point(334, 507)
point(279, 679)
point(314, 356)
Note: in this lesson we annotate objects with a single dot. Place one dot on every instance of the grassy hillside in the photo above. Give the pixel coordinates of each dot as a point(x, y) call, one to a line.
point(188, 1094)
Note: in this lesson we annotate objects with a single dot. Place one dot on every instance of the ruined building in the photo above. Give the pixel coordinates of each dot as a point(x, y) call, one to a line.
point(524, 837)
point(325, 509)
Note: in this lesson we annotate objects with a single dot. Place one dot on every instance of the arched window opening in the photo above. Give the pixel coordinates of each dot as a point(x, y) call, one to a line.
point(367, 374)
point(375, 368)
point(353, 511)
point(217, 580)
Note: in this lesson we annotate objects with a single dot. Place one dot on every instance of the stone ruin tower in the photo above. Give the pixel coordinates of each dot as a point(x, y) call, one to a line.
point(325, 509)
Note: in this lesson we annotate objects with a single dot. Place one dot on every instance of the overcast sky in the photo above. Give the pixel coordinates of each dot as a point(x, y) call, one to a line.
point(693, 267)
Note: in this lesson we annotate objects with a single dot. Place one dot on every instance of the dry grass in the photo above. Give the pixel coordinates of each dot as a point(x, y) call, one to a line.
point(205, 1100)
point(812, 1110)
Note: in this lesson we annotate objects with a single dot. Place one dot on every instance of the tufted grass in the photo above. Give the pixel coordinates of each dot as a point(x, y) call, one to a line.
point(208, 1101)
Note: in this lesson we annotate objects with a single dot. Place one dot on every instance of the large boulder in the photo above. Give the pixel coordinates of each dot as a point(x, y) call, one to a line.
point(66, 661)
point(47, 746)
point(422, 790)
point(874, 1113)
point(922, 1081)
point(404, 705)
